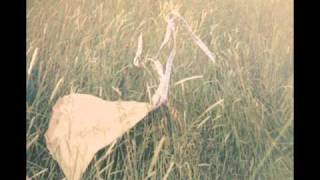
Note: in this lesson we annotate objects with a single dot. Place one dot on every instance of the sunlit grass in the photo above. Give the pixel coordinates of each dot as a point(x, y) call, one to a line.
point(231, 120)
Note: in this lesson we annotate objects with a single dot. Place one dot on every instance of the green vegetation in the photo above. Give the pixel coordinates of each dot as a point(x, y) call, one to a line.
point(88, 47)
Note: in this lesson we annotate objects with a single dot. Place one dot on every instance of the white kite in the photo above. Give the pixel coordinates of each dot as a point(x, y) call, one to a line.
point(82, 124)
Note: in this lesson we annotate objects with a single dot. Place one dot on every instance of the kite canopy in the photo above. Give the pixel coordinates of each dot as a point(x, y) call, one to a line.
point(83, 124)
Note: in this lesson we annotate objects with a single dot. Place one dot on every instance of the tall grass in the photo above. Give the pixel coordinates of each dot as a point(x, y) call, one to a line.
point(234, 121)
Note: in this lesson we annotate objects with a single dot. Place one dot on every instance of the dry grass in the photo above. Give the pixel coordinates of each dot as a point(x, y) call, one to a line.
point(91, 46)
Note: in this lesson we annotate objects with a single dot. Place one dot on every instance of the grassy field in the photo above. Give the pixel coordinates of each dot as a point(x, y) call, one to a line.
point(88, 47)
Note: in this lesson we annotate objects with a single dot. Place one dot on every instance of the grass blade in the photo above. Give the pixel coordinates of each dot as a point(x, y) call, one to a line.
point(33, 61)
point(165, 177)
point(138, 52)
point(188, 79)
point(220, 102)
point(54, 92)
point(156, 155)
